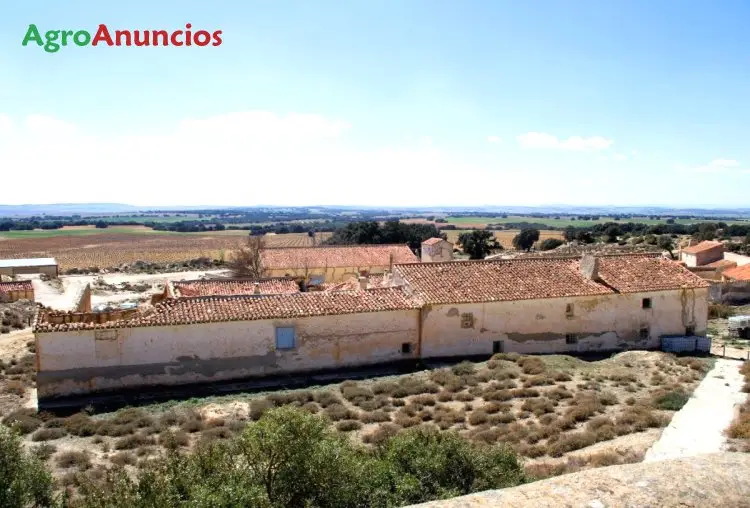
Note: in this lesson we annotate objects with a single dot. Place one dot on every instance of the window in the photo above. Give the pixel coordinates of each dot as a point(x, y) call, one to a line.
point(406, 348)
point(569, 310)
point(571, 338)
point(467, 320)
point(316, 280)
point(285, 337)
point(644, 332)
point(689, 331)
point(497, 346)
point(646, 303)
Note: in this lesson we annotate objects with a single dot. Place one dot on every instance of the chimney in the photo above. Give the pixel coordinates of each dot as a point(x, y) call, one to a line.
point(363, 283)
point(590, 267)
point(256, 288)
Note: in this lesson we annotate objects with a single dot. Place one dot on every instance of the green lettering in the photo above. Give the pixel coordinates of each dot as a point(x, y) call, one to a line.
point(32, 34)
point(65, 35)
point(81, 38)
point(51, 46)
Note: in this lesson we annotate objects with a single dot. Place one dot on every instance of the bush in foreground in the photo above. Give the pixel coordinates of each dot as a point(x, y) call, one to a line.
point(23, 479)
point(290, 458)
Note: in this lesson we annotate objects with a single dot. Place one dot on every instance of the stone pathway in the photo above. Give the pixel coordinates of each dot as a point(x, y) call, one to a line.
point(699, 426)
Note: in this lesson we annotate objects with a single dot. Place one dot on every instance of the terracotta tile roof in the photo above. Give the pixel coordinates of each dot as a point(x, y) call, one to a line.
point(703, 246)
point(720, 264)
point(331, 256)
point(18, 285)
point(216, 287)
point(739, 273)
point(432, 241)
point(643, 273)
point(534, 278)
point(347, 285)
point(249, 308)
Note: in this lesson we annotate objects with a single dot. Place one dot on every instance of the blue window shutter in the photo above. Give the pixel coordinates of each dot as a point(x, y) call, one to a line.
point(285, 337)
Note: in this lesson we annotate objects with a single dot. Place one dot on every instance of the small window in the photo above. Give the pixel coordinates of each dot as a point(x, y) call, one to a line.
point(285, 337)
point(689, 331)
point(467, 320)
point(644, 333)
point(646, 303)
point(569, 310)
point(497, 346)
point(571, 338)
point(406, 348)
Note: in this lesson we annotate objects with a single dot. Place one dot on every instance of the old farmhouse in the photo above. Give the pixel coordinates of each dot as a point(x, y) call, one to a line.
point(420, 310)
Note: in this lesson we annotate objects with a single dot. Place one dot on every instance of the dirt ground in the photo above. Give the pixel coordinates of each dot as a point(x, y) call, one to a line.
point(107, 288)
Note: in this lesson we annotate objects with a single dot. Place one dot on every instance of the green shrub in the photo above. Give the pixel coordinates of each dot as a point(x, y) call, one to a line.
point(24, 481)
point(671, 401)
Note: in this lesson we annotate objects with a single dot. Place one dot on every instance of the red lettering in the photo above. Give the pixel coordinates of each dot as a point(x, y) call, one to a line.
point(203, 35)
point(173, 38)
point(164, 37)
point(217, 38)
point(102, 34)
point(146, 38)
point(188, 35)
point(119, 34)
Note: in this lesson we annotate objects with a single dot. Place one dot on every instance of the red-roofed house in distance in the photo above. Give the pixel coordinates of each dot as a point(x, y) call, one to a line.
point(436, 250)
point(702, 253)
point(333, 263)
point(737, 274)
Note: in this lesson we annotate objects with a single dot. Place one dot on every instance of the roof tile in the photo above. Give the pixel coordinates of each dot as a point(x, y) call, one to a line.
point(332, 256)
point(739, 273)
point(703, 246)
point(216, 287)
point(18, 285)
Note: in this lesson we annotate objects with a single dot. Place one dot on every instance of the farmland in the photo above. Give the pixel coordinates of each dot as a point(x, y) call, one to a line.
point(82, 248)
point(477, 222)
point(506, 237)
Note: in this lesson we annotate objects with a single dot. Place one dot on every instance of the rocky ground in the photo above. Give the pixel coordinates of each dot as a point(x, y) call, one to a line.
point(705, 481)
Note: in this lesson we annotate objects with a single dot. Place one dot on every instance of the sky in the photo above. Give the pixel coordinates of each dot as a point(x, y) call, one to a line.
point(381, 103)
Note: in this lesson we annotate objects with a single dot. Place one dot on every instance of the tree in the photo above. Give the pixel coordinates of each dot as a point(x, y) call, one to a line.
point(101, 224)
point(706, 231)
point(665, 242)
point(24, 481)
point(525, 239)
point(246, 260)
point(550, 243)
point(612, 232)
point(219, 227)
point(478, 243)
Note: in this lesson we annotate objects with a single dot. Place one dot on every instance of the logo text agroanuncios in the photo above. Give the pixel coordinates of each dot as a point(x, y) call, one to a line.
point(53, 40)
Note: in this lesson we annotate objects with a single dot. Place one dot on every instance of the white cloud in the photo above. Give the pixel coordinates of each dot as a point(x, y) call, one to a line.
point(245, 158)
point(494, 139)
point(715, 166)
point(542, 140)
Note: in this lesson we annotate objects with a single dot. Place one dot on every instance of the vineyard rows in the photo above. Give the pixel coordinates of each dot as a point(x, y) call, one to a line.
point(109, 250)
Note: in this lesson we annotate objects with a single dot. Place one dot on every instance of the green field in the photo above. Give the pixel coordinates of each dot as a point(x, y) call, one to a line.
point(566, 221)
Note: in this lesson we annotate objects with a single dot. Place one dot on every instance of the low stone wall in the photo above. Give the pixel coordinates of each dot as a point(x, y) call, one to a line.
point(731, 293)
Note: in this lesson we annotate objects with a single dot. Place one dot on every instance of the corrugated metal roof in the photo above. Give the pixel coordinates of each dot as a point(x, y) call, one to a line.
point(10, 263)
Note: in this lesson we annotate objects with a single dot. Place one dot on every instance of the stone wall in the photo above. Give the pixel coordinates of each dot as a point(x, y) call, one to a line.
point(562, 325)
point(731, 293)
point(75, 362)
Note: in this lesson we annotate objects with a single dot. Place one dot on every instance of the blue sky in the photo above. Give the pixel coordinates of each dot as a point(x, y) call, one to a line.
point(392, 102)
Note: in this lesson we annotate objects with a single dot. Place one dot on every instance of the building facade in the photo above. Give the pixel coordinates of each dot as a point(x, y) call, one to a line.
point(436, 250)
point(13, 267)
point(702, 254)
